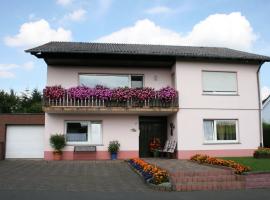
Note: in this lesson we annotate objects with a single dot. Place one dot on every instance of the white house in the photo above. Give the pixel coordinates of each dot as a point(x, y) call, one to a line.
point(216, 111)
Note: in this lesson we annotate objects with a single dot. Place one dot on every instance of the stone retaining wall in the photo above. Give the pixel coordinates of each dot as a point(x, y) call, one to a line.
point(257, 180)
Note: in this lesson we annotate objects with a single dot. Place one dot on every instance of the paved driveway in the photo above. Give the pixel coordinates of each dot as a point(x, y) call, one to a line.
point(26, 180)
point(90, 176)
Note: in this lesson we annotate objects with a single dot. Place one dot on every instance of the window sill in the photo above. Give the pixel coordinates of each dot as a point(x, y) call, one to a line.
point(219, 94)
point(83, 144)
point(216, 143)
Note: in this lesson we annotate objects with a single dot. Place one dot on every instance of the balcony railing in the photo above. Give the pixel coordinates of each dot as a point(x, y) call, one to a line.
point(83, 99)
point(93, 102)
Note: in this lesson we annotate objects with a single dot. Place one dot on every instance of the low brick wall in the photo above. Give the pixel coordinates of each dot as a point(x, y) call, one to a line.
point(16, 119)
point(257, 180)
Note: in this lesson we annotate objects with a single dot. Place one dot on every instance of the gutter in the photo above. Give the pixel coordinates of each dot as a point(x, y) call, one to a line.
point(260, 105)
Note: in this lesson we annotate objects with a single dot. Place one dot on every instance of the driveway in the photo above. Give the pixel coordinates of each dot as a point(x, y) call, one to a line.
point(111, 176)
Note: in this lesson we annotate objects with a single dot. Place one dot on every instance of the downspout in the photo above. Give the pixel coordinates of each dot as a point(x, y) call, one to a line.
point(260, 105)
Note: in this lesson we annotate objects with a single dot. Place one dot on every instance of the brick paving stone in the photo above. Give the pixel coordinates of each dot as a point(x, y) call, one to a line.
point(103, 176)
point(175, 165)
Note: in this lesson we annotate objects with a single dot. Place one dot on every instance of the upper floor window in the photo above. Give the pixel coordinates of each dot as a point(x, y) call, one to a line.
point(111, 81)
point(219, 82)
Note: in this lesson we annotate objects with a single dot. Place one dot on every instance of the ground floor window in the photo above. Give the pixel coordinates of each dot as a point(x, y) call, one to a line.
point(222, 131)
point(84, 132)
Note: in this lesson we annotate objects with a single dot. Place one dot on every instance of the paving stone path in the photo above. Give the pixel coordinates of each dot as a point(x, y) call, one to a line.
point(96, 176)
point(174, 165)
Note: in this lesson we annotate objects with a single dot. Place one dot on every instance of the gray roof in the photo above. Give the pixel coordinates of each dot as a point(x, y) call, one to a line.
point(144, 49)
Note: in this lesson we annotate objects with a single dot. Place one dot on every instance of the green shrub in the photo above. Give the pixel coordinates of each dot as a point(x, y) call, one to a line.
point(58, 142)
point(114, 146)
point(266, 135)
point(262, 151)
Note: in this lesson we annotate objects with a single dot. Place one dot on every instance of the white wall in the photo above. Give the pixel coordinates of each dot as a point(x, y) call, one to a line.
point(189, 83)
point(67, 76)
point(190, 126)
point(194, 106)
point(114, 127)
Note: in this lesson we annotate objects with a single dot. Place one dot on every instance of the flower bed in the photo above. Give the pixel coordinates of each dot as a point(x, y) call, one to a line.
point(151, 173)
point(123, 94)
point(238, 168)
point(262, 153)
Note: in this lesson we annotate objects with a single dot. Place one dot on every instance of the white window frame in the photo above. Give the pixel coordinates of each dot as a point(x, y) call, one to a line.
point(232, 93)
point(89, 129)
point(100, 74)
point(215, 140)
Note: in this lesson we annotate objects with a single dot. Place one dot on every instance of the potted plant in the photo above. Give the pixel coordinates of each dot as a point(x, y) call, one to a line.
point(58, 142)
point(154, 146)
point(113, 148)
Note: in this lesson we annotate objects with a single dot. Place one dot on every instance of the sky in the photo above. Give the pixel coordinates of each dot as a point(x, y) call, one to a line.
point(237, 24)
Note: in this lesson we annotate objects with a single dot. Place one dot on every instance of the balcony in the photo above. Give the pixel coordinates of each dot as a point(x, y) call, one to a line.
point(110, 101)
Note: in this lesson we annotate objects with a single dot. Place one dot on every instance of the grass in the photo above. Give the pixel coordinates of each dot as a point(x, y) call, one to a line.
point(256, 165)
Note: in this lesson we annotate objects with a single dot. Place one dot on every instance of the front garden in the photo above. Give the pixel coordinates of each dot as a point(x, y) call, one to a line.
point(256, 165)
point(260, 162)
point(151, 174)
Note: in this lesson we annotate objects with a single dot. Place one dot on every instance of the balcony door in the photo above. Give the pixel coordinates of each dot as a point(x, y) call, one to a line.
point(151, 127)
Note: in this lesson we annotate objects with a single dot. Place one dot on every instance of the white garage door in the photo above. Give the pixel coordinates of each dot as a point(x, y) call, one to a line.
point(25, 141)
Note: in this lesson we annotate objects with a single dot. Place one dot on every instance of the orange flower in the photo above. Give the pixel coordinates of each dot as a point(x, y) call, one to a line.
point(238, 168)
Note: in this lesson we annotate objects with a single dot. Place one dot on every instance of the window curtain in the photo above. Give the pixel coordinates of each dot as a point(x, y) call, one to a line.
point(76, 137)
point(226, 130)
point(208, 130)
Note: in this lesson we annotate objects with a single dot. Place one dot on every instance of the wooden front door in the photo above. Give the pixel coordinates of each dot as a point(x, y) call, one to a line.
point(151, 127)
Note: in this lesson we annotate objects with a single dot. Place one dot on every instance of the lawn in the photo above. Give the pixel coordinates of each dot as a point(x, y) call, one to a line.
point(262, 164)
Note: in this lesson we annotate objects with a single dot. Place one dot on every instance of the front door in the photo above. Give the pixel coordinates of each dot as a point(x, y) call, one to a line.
point(151, 127)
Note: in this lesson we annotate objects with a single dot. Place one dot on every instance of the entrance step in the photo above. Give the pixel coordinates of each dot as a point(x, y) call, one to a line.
point(192, 186)
point(206, 180)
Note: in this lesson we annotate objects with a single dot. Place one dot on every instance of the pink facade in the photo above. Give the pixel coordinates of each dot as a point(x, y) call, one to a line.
point(194, 107)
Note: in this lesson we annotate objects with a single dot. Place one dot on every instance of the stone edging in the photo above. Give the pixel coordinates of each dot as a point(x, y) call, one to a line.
point(160, 187)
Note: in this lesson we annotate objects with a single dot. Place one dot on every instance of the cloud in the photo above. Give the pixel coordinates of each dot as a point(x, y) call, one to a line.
point(28, 65)
point(158, 10)
point(224, 30)
point(76, 15)
point(64, 2)
point(6, 74)
point(8, 66)
point(265, 92)
point(36, 33)
point(143, 32)
point(6, 69)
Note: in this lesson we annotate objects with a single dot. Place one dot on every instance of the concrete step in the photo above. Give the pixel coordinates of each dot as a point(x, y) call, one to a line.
point(258, 184)
point(209, 178)
point(192, 186)
point(201, 173)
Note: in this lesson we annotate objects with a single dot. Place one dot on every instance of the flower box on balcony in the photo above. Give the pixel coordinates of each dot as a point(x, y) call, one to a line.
point(100, 96)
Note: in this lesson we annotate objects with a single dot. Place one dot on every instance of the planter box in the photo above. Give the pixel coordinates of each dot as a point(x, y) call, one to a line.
point(167, 186)
point(256, 155)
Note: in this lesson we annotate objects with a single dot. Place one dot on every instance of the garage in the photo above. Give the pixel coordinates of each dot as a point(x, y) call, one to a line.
point(22, 135)
point(25, 141)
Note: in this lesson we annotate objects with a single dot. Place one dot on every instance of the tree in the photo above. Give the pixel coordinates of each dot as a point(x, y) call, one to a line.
point(9, 102)
point(28, 102)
